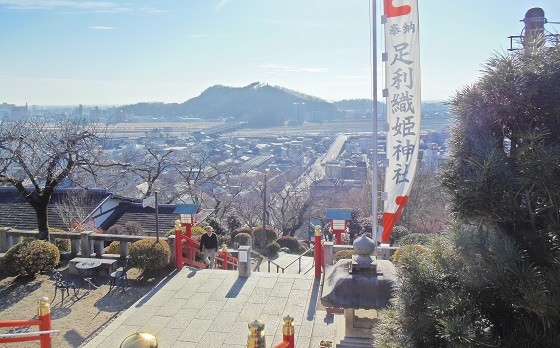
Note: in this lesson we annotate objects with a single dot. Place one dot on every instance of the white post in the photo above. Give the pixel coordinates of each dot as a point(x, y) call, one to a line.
point(374, 188)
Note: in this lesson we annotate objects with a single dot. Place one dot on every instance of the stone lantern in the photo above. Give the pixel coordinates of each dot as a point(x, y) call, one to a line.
point(360, 286)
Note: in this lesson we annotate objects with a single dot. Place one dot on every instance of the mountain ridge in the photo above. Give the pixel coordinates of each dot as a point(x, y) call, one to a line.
point(258, 104)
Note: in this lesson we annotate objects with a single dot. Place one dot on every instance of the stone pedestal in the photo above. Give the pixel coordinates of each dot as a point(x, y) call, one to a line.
point(359, 323)
point(244, 261)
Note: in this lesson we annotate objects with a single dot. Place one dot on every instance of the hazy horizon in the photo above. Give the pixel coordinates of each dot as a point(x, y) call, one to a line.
point(118, 53)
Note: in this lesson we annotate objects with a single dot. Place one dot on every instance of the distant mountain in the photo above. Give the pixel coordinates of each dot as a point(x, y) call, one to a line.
point(356, 105)
point(259, 104)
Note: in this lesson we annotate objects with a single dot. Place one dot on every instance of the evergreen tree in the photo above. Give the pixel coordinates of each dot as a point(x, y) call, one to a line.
point(494, 279)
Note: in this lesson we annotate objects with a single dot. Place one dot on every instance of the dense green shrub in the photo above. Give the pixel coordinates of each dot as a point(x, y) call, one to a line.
point(197, 232)
point(243, 238)
point(30, 258)
point(290, 243)
point(397, 233)
point(247, 230)
point(148, 254)
point(263, 238)
point(272, 248)
point(114, 247)
point(63, 244)
point(131, 228)
point(404, 252)
point(342, 254)
point(415, 238)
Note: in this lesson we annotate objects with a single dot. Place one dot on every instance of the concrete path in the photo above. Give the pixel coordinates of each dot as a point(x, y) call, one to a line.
point(290, 261)
point(211, 308)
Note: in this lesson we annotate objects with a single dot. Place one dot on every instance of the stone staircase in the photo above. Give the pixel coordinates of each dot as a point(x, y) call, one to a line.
point(289, 261)
point(351, 342)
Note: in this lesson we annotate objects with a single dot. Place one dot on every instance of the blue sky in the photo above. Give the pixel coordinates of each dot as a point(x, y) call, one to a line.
point(55, 52)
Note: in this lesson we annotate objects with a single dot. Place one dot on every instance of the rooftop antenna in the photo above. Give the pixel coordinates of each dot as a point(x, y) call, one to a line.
point(534, 33)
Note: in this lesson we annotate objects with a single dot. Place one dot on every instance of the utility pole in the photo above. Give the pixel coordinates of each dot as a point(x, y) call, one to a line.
point(264, 208)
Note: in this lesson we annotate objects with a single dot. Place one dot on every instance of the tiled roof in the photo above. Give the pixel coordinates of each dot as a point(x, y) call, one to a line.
point(146, 217)
point(15, 212)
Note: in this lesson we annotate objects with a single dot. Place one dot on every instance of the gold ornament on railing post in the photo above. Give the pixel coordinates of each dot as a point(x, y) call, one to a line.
point(288, 330)
point(44, 306)
point(140, 340)
point(256, 338)
point(318, 231)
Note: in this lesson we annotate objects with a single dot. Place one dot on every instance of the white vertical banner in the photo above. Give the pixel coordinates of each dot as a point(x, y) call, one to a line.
point(402, 92)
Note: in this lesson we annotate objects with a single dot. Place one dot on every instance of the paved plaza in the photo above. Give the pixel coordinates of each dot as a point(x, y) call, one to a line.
point(211, 308)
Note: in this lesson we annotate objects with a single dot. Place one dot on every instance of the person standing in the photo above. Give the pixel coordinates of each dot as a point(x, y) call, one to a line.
point(209, 246)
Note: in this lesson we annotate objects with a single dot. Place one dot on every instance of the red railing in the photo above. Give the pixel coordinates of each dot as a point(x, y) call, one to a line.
point(191, 247)
point(226, 261)
point(319, 254)
point(43, 322)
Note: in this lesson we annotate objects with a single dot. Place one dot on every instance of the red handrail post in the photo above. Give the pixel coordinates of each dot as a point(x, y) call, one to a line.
point(338, 235)
point(317, 253)
point(188, 234)
point(288, 331)
point(323, 256)
point(224, 259)
point(46, 324)
point(178, 247)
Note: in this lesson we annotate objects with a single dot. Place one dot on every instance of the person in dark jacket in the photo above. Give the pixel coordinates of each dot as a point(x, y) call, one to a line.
point(209, 246)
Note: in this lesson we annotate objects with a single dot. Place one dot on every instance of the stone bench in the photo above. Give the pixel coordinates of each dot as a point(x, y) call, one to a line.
point(107, 265)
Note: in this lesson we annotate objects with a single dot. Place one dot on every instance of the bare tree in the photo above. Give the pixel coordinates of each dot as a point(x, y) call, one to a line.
point(175, 172)
point(248, 203)
point(290, 204)
point(37, 157)
point(73, 209)
point(427, 209)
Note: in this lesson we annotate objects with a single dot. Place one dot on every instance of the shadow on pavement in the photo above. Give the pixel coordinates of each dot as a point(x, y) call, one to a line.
point(236, 287)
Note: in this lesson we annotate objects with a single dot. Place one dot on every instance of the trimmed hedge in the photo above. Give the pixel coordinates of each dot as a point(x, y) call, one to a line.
point(31, 258)
point(63, 244)
point(246, 230)
point(148, 254)
point(290, 243)
point(415, 238)
point(243, 238)
point(342, 254)
point(197, 232)
point(272, 248)
point(264, 238)
point(114, 247)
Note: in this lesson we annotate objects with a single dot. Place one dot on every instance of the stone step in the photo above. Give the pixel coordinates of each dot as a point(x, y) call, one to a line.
point(351, 342)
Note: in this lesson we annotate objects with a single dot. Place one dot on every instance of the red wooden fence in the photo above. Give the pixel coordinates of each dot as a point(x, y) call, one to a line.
point(43, 321)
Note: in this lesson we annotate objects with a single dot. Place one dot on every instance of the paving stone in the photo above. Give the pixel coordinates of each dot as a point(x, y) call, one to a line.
point(156, 324)
point(223, 321)
point(211, 308)
point(170, 308)
point(195, 331)
point(168, 336)
point(182, 318)
point(184, 344)
point(118, 335)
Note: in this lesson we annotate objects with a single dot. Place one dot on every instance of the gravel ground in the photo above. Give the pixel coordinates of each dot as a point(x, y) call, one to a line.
point(81, 317)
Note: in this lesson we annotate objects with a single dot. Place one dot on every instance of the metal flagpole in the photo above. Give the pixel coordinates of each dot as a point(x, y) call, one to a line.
point(374, 189)
point(157, 216)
